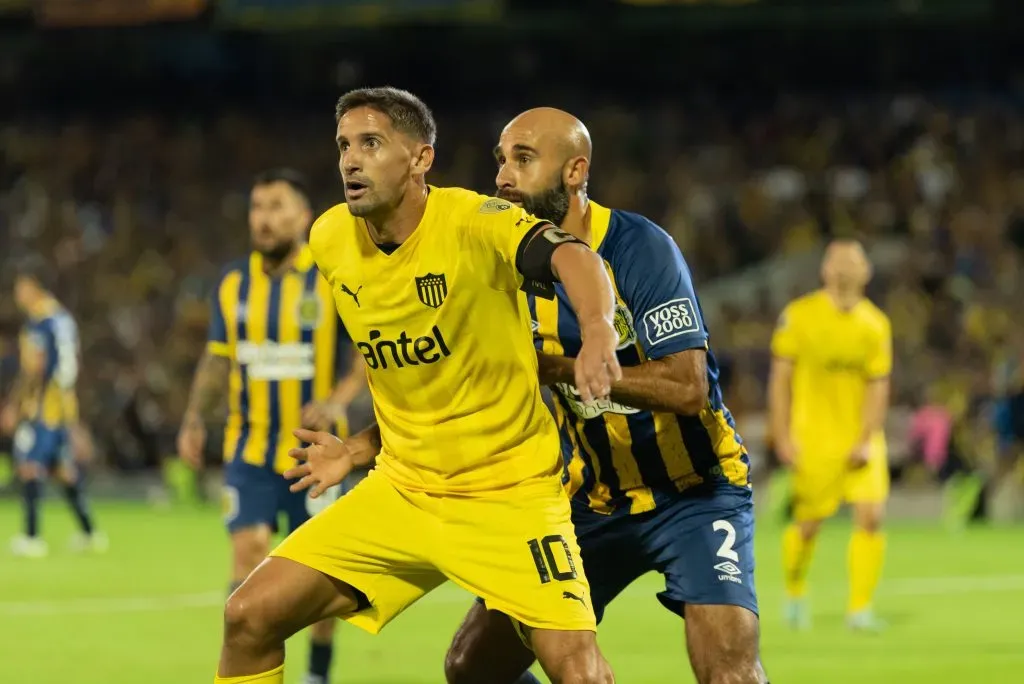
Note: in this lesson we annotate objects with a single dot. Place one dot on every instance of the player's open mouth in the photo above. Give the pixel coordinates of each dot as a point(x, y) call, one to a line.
point(355, 189)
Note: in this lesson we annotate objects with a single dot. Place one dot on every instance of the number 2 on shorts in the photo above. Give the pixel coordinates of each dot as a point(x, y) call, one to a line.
point(544, 558)
point(726, 549)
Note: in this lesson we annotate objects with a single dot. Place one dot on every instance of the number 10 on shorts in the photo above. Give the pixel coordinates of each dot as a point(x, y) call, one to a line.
point(543, 551)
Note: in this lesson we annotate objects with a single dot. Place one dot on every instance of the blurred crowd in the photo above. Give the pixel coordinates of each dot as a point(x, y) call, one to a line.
point(138, 213)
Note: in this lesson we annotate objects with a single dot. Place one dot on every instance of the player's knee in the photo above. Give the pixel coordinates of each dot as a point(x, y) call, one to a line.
point(809, 529)
point(737, 673)
point(249, 624)
point(584, 668)
point(29, 471)
point(458, 667)
point(869, 519)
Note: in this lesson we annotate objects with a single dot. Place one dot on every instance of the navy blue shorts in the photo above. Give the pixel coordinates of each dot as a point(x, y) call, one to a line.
point(702, 542)
point(37, 443)
point(254, 495)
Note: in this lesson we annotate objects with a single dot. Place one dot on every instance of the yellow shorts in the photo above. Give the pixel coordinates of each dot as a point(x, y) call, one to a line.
point(515, 549)
point(820, 485)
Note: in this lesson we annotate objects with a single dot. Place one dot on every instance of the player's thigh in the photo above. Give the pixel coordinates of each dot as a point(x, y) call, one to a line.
point(723, 642)
point(869, 484)
point(486, 649)
point(703, 544)
point(280, 597)
point(818, 487)
point(34, 450)
point(376, 539)
point(517, 551)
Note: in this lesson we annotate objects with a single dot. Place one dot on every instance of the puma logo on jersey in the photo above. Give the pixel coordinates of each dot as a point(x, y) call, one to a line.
point(573, 597)
point(350, 293)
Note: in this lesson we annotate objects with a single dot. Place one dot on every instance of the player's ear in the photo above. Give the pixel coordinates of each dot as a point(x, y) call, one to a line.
point(576, 171)
point(422, 159)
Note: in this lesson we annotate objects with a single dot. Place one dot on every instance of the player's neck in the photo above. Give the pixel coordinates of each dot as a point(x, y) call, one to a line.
point(577, 219)
point(845, 299)
point(395, 227)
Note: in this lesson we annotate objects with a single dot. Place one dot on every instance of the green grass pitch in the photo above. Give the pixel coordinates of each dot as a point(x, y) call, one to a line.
point(149, 611)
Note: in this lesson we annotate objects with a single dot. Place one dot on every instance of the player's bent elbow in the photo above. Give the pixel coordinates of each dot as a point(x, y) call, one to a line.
point(691, 399)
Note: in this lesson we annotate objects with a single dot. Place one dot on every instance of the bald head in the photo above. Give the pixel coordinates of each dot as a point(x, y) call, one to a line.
point(553, 128)
point(543, 160)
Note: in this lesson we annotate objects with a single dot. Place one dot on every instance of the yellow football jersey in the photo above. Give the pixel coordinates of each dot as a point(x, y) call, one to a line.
point(446, 337)
point(835, 354)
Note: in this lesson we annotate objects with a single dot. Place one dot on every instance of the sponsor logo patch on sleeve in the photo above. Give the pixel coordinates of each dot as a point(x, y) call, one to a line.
point(673, 318)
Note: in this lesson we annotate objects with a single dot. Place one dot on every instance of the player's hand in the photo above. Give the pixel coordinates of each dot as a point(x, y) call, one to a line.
point(326, 461)
point(787, 453)
point(322, 416)
point(597, 366)
point(8, 419)
point(859, 456)
point(192, 441)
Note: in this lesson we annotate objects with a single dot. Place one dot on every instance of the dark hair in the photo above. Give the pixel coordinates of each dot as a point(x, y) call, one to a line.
point(407, 112)
point(38, 269)
point(295, 180)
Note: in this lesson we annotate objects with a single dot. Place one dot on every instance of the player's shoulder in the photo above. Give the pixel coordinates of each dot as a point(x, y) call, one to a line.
point(332, 219)
point(328, 235)
point(872, 315)
point(802, 308)
point(632, 235)
point(469, 205)
point(233, 269)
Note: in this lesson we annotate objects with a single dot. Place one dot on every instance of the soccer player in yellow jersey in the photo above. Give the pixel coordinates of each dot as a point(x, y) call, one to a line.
point(828, 395)
point(278, 350)
point(467, 484)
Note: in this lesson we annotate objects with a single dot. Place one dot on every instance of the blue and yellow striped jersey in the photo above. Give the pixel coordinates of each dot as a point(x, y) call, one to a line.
point(619, 458)
point(287, 347)
point(52, 338)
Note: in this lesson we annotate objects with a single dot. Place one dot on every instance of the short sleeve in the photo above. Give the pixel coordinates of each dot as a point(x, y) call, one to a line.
point(656, 284)
point(879, 364)
point(784, 339)
point(495, 229)
point(217, 335)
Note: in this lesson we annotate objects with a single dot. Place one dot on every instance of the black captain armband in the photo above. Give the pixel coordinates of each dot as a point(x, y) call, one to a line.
point(533, 258)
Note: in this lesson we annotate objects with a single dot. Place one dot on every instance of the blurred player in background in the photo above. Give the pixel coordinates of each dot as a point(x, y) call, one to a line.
point(42, 410)
point(828, 396)
point(277, 347)
point(660, 476)
point(467, 485)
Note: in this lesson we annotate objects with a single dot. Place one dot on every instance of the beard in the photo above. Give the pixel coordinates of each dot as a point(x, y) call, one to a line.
point(275, 254)
point(551, 204)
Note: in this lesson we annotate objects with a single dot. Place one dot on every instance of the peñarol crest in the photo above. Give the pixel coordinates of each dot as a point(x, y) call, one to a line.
point(432, 289)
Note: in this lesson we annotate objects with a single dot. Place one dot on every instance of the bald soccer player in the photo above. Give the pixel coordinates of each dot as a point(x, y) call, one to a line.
point(828, 395)
point(659, 477)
